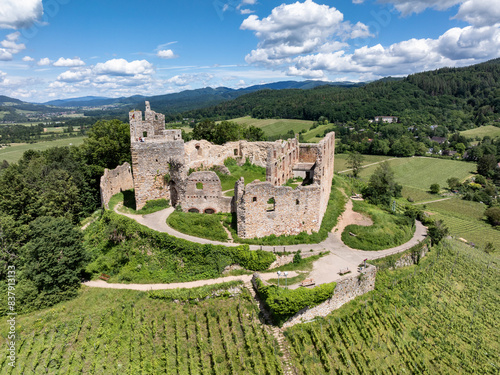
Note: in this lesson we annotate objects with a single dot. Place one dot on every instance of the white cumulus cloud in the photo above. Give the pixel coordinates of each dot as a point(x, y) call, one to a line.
point(122, 67)
point(298, 28)
point(69, 62)
point(44, 61)
point(28, 58)
point(480, 12)
point(10, 47)
point(407, 7)
point(166, 54)
point(16, 14)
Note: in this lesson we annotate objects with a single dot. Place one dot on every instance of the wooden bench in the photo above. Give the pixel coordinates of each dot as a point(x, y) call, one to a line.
point(307, 282)
point(104, 277)
point(344, 271)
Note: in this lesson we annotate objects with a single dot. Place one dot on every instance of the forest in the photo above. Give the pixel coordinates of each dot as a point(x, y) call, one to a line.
point(460, 97)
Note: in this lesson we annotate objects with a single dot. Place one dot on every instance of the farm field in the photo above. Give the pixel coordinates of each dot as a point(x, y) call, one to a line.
point(125, 332)
point(482, 131)
point(272, 127)
point(421, 172)
point(13, 153)
point(341, 161)
point(436, 317)
point(465, 219)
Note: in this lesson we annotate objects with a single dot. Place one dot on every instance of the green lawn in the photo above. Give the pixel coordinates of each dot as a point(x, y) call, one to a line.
point(249, 172)
point(387, 231)
point(272, 127)
point(421, 172)
point(13, 153)
point(482, 131)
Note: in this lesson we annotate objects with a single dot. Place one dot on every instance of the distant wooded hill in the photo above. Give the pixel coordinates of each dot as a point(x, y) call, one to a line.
point(465, 95)
point(189, 99)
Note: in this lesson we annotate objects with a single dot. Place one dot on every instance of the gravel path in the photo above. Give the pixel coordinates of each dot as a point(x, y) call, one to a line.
point(324, 270)
point(189, 284)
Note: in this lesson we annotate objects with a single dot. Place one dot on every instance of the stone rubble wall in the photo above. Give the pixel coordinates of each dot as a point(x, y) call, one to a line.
point(115, 181)
point(411, 258)
point(295, 210)
point(346, 290)
point(206, 198)
point(151, 162)
point(206, 154)
point(281, 157)
point(282, 260)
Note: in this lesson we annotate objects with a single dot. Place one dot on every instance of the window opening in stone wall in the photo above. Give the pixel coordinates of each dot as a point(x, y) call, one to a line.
point(235, 152)
point(198, 148)
point(297, 202)
point(254, 199)
point(199, 186)
point(210, 211)
point(144, 134)
point(194, 210)
point(271, 205)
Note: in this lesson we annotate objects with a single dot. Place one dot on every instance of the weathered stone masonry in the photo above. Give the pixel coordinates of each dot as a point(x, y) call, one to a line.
point(161, 162)
point(115, 181)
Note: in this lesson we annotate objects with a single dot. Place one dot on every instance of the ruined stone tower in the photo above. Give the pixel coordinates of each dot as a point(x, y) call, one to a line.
point(157, 158)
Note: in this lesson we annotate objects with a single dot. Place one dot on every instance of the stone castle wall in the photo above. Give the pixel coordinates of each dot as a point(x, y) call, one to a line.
point(293, 210)
point(346, 290)
point(114, 181)
point(282, 156)
point(206, 154)
point(204, 194)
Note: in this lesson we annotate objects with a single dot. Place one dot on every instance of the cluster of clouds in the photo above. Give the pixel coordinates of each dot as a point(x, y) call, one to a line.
point(311, 40)
point(19, 14)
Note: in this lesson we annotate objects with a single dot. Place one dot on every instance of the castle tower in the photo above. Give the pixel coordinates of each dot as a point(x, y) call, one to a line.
point(157, 158)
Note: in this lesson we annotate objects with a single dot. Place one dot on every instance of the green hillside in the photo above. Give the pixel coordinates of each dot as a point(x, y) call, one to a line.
point(439, 317)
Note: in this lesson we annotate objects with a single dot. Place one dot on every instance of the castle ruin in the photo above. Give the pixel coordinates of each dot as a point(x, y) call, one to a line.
point(162, 162)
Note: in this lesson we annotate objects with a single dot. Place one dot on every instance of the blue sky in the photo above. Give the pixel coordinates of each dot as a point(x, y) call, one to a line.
point(69, 48)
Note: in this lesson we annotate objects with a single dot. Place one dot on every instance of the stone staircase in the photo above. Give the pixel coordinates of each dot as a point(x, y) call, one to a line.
point(277, 332)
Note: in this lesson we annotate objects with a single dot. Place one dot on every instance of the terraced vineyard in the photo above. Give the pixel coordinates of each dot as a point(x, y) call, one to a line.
point(124, 332)
point(440, 317)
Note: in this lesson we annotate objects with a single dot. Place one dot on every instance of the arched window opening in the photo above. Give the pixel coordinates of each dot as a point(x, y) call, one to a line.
point(271, 205)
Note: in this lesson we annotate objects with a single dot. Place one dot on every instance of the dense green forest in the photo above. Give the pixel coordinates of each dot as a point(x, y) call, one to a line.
point(463, 96)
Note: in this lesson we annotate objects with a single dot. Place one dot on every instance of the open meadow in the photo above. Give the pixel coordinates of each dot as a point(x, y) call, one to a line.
point(14, 152)
point(481, 132)
point(273, 127)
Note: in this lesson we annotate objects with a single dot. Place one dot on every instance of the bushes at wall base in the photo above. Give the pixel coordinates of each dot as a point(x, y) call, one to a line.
point(285, 303)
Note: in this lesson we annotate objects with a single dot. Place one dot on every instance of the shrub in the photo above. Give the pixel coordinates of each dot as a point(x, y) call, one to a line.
point(284, 303)
point(435, 188)
point(493, 215)
point(297, 258)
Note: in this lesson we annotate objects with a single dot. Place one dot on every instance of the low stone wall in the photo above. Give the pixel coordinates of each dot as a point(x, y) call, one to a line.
point(287, 259)
point(411, 258)
point(114, 181)
point(345, 291)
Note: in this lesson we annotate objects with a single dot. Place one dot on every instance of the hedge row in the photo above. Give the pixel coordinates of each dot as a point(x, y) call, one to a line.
point(284, 303)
